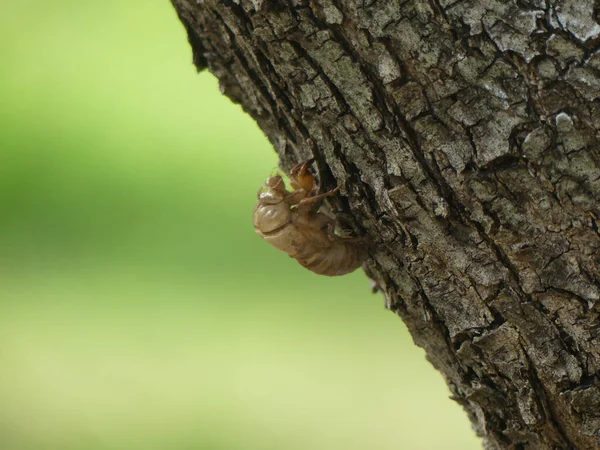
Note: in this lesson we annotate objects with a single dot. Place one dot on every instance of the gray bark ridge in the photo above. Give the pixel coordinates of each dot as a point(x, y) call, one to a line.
point(465, 136)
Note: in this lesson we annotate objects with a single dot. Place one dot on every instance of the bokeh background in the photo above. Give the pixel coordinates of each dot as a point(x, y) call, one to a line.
point(138, 309)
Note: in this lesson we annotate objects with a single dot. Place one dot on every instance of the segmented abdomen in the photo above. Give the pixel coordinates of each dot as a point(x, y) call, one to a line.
point(338, 258)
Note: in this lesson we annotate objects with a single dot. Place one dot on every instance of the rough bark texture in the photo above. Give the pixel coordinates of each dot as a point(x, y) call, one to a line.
point(464, 134)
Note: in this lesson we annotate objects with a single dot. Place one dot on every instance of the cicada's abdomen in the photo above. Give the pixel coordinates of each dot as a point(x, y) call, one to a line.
point(340, 257)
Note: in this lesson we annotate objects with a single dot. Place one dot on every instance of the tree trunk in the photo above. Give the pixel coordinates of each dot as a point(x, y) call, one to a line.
point(465, 137)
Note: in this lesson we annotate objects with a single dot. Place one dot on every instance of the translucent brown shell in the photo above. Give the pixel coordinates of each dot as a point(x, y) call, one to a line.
point(287, 220)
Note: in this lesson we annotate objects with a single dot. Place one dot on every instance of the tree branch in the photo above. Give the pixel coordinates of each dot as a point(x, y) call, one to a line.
point(465, 138)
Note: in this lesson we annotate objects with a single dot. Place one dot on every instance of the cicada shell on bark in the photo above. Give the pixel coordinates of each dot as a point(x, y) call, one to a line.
point(287, 220)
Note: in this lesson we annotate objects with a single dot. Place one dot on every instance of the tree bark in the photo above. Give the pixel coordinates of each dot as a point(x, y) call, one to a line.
point(464, 134)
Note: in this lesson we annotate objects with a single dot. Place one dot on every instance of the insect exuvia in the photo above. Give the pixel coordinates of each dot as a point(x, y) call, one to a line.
point(288, 221)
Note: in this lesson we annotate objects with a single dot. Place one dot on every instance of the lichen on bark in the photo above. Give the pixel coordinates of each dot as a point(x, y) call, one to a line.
point(465, 136)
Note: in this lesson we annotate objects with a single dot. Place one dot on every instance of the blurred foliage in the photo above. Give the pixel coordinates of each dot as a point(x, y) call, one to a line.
point(139, 310)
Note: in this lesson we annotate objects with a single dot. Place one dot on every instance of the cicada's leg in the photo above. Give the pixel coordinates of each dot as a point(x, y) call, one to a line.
point(294, 198)
point(302, 168)
point(314, 198)
point(302, 178)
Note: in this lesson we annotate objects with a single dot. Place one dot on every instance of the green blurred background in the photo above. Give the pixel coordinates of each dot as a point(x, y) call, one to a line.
point(138, 308)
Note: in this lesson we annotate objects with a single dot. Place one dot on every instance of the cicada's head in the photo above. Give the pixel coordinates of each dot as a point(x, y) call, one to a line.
point(273, 191)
